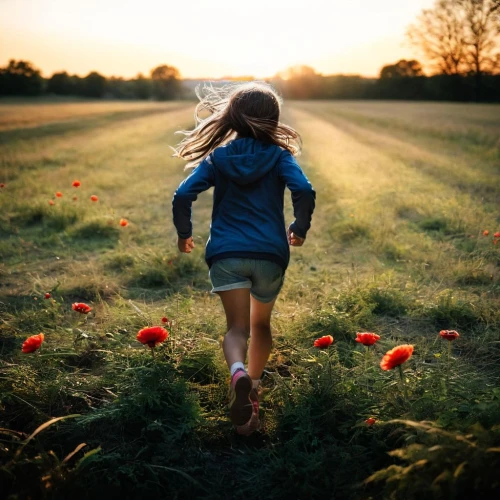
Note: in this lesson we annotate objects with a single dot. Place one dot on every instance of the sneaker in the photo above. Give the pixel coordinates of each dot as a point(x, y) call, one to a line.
point(240, 406)
point(253, 423)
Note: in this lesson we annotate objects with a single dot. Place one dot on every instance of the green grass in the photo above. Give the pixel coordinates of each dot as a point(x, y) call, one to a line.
point(404, 193)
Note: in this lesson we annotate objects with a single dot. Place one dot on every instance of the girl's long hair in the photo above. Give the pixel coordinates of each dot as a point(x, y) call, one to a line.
point(236, 110)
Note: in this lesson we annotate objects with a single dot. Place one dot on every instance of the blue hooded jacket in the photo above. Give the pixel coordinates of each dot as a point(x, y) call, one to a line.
point(247, 218)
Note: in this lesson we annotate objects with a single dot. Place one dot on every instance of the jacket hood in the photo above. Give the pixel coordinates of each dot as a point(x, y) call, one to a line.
point(246, 160)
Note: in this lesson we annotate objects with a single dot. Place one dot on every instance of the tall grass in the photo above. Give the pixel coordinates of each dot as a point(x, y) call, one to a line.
point(396, 248)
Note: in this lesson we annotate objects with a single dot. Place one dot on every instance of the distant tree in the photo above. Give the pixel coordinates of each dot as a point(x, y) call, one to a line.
point(142, 87)
point(166, 82)
point(299, 82)
point(61, 84)
point(460, 37)
point(402, 80)
point(402, 69)
point(93, 85)
point(20, 78)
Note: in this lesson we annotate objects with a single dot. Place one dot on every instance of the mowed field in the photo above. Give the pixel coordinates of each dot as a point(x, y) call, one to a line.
point(402, 244)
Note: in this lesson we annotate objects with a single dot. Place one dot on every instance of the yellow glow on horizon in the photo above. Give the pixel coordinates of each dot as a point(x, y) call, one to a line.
point(222, 37)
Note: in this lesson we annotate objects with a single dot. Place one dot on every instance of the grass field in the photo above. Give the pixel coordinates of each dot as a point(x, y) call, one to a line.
point(405, 193)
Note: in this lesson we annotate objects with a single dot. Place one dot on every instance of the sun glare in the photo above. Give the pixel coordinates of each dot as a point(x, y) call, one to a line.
point(211, 38)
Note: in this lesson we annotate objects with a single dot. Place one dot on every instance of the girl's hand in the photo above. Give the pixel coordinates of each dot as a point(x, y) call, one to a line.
point(294, 240)
point(185, 245)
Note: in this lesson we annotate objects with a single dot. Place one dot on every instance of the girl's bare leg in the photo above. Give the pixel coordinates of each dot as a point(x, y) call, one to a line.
point(237, 308)
point(260, 340)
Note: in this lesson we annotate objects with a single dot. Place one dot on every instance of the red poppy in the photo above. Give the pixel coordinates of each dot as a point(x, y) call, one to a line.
point(164, 320)
point(152, 336)
point(496, 235)
point(33, 343)
point(449, 334)
point(59, 194)
point(75, 198)
point(47, 295)
point(94, 198)
point(51, 202)
point(486, 232)
point(323, 342)
point(396, 357)
point(76, 184)
point(81, 307)
point(367, 338)
point(123, 222)
point(2, 185)
point(370, 421)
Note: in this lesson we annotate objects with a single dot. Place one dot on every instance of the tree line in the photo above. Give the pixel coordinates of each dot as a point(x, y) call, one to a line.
point(396, 81)
point(459, 40)
point(22, 78)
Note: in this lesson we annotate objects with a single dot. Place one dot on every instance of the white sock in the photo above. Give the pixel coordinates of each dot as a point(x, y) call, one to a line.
point(236, 366)
point(255, 383)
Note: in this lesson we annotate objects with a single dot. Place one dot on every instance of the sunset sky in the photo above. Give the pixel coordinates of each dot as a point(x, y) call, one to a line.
point(207, 38)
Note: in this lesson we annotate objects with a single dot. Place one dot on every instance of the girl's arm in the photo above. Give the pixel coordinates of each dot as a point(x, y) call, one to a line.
point(303, 194)
point(200, 180)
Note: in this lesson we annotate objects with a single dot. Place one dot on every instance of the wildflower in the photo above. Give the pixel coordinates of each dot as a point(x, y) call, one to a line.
point(123, 222)
point(486, 232)
point(76, 184)
point(47, 295)
point(396, 357)
point(94, 198)
point(152, 336)
point(323, 342)
point(370, 421)
point(367, 338)
point(51, 202)
point(81, 307)
point(496, 235)
point(59, 194)
point(449, 334)
point(164, 320)
point(33, 343)
point(75, 198)
point(2, 185)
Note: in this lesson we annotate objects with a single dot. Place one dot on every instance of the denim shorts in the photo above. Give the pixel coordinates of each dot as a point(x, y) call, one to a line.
point(263, 277)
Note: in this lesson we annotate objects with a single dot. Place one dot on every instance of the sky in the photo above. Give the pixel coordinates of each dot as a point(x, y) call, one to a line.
point(207, 38)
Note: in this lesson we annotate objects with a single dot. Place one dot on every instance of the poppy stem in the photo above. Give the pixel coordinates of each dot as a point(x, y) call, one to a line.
point(153, 352)
point(367, 353)
point(449, 366)
point(405, 392)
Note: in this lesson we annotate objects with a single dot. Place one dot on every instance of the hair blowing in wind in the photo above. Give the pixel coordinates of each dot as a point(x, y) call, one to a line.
point(240, 110)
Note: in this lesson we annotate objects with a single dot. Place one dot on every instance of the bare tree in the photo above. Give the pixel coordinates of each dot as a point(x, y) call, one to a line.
point(459, 36)
point(481, 35)
point(438, 33)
